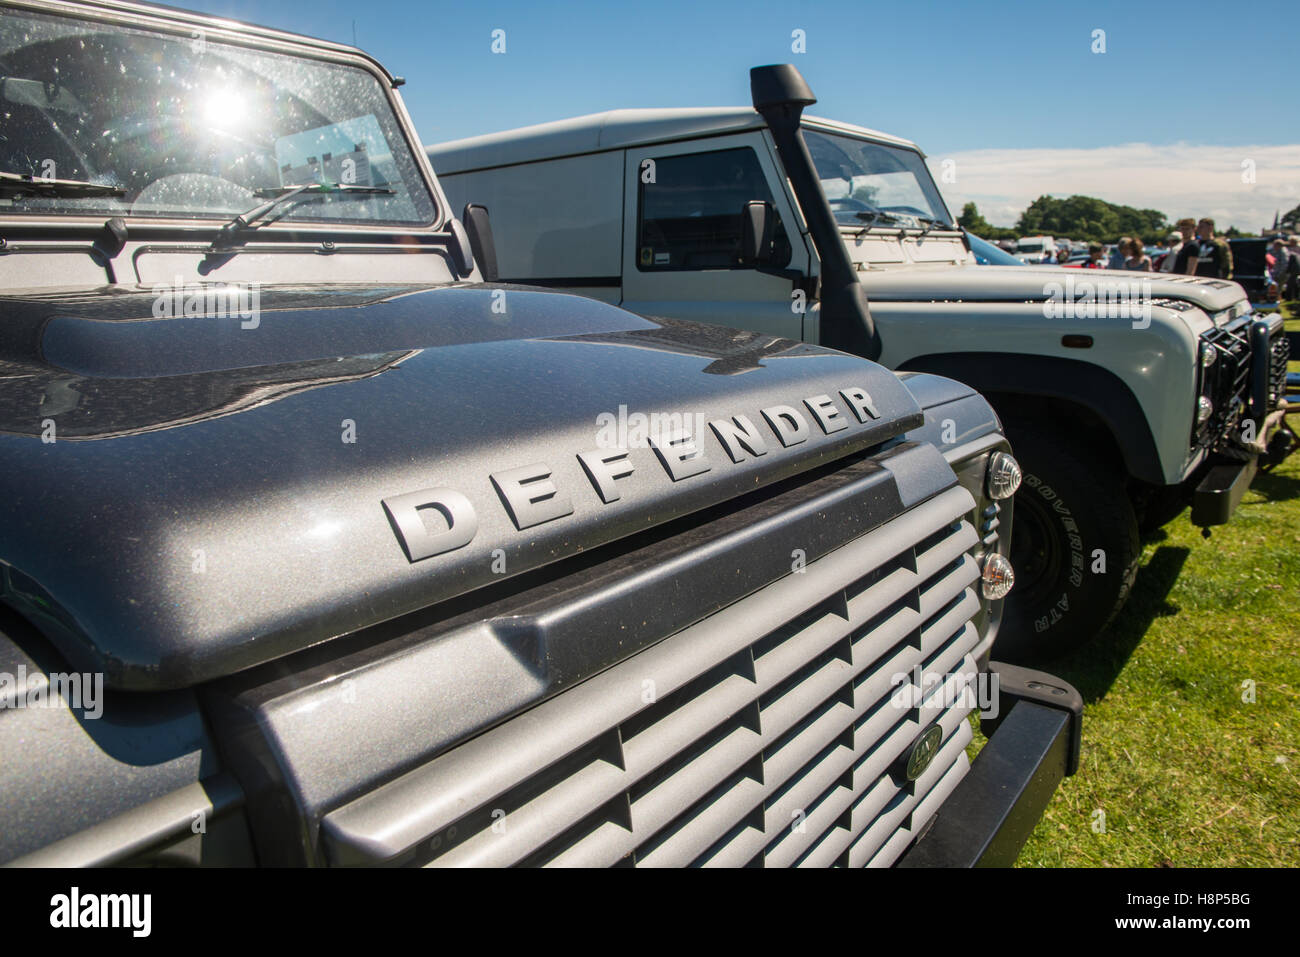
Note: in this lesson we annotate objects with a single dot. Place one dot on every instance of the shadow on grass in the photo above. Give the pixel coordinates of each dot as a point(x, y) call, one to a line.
point(1274, 487)
point(1093, 668)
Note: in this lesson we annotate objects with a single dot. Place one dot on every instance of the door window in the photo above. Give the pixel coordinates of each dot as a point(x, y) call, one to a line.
point(689, 215)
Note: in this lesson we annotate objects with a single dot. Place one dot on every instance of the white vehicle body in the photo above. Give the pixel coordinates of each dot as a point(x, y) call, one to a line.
point(655, 210)
point(564, 204)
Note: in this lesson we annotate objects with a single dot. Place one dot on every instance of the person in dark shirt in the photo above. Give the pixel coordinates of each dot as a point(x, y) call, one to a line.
point(1285, 269)
point(1206, 255)
point(1094, 257)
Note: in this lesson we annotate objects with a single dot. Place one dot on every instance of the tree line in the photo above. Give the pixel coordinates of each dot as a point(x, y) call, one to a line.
point(1089, 219)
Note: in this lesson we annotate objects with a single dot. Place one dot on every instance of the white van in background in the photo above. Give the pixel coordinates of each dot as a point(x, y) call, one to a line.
point(1032, 250)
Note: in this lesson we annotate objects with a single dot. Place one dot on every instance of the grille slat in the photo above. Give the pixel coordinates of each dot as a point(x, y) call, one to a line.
point(922, 813)
point(678, 729)
point(746, 724)
point(873, 717)
point(881, 793)
point(871, 840)
point(689, 784)
point(798, 701)
point(540, 821)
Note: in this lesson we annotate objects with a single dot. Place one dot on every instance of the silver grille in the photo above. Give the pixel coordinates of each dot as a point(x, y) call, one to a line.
point(1227, 385)
point(1280, 355)
point(763, 735)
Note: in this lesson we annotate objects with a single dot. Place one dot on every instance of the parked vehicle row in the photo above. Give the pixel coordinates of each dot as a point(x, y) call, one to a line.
point(1124, 402)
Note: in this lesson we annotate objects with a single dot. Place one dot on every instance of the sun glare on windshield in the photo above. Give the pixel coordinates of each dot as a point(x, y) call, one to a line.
point(195, 129)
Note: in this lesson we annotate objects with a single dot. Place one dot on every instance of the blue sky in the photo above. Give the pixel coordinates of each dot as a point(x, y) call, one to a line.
point(951, 75)
point(955, 76)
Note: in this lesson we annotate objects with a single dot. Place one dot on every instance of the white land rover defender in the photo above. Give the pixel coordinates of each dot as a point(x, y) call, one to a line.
point(1125, 395)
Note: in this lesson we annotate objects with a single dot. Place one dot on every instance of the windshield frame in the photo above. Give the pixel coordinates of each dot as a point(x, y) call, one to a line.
point(827, 128)
point(186, 25)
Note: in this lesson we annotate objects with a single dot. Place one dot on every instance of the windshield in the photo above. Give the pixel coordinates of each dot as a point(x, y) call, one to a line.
point(191, 128)
point(1029, 248)
point(986, 254)
point(860, 177)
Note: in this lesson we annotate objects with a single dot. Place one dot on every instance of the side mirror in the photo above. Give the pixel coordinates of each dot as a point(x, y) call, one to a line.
point(757, 222)
point(479, 229)
point(462, 254)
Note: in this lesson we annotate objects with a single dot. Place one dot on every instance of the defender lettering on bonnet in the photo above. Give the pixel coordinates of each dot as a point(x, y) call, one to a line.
point(531, 497)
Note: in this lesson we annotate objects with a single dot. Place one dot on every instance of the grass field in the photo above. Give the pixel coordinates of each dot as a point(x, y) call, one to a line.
point(1184, 771)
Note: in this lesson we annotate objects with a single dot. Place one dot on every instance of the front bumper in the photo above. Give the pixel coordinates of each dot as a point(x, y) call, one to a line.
point(1219, 492)
point(1217, 495)
point(1033, 744)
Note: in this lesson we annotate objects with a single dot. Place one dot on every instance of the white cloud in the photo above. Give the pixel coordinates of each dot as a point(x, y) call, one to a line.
point(1179, 180)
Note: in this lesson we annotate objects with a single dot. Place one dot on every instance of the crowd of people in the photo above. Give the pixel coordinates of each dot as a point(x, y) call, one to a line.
point(1283, 261)
point(1195, 250)
point(1271, 264)
point(1128, 253)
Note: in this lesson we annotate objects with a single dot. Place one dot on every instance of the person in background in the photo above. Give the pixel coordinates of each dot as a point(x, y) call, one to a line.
point(1207, 255)
point(1094, 257)
point(1286, 266)
point(1292, 289)
point(1119, 253)
point(1062, 256)
point(1136, 257)
point(1175, 243)
point(1048, 259)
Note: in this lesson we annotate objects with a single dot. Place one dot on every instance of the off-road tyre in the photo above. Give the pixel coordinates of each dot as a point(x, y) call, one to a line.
point(1074, 546)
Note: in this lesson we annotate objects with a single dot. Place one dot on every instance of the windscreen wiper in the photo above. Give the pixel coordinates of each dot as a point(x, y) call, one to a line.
point(286, 195)
point(933, 224)
point(876, 217)
point(24, 184)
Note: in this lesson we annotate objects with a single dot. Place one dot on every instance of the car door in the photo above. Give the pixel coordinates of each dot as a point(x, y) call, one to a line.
point(683, 204)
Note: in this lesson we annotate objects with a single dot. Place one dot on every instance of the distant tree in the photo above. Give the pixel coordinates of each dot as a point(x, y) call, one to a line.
point(972, 220)
point(1291, 221)
point(1091, 219)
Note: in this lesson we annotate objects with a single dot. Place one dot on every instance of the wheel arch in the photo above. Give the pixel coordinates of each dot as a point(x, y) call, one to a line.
point(1093, 397)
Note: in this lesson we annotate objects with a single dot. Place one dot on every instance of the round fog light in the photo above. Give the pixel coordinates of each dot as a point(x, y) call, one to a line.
point(997, 577)
point(1204, 409)
point(1208, 355)
point(1003, 476)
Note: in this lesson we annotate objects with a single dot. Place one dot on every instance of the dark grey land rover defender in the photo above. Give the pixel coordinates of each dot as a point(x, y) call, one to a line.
point(316, 548)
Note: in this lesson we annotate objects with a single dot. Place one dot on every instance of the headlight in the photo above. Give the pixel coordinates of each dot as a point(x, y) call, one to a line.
point(1003, 476)
point(1208, 355)
point(1204, 409)
point(996, 577)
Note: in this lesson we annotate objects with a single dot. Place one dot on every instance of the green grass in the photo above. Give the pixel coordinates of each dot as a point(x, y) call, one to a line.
point(1187, 773)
